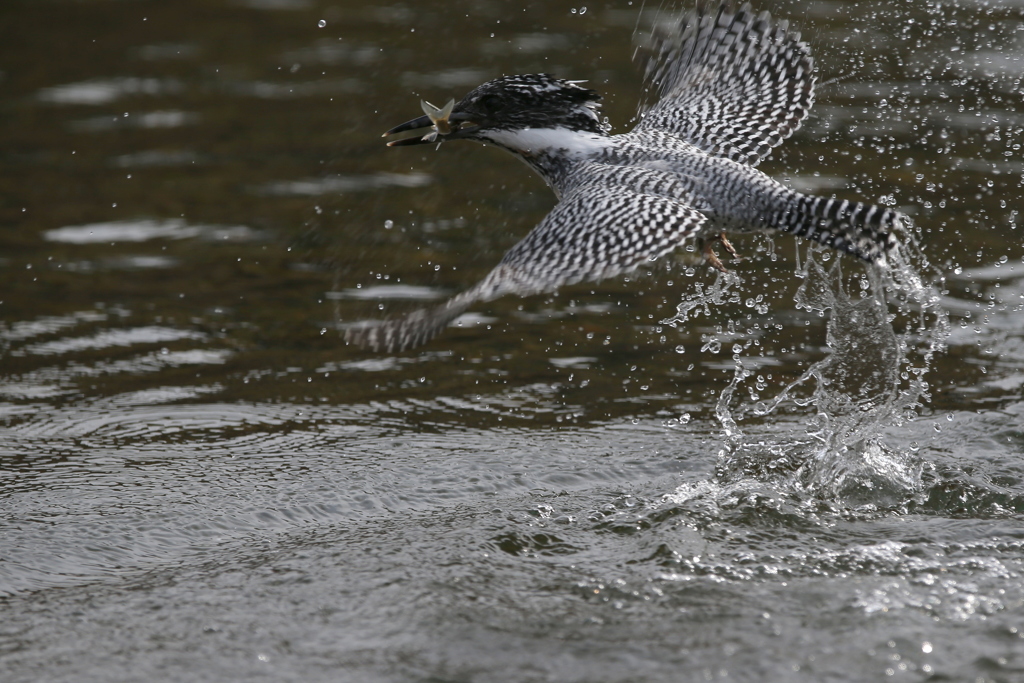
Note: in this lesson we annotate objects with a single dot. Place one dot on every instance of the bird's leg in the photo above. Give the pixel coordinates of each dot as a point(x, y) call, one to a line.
point(727, 245)
point(712, 258)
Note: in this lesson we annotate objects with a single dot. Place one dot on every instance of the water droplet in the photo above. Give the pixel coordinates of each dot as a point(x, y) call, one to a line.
point(680, 349)
point(321, 23)
point(388, 224)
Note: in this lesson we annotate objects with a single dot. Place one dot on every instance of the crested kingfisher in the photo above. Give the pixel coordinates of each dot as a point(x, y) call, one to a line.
point(731, 86)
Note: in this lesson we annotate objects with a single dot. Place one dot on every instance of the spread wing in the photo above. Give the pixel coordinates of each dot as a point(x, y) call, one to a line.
point(733, 84)
point(595, 232)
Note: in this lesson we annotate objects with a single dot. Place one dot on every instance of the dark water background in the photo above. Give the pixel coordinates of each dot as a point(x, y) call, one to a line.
point(200, 482)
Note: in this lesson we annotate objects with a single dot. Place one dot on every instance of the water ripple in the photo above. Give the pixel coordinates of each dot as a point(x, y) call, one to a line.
point(339, 183)
point(143, 230)
point(103, 91)
point(106, 339)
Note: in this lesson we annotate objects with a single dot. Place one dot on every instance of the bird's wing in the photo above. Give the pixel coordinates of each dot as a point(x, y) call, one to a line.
point(595, 232)
point(733, 84)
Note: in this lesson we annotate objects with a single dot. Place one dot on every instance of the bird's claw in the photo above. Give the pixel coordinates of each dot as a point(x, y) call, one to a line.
point(712, 258)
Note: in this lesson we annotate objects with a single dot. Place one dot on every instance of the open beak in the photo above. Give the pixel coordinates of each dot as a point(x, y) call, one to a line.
point(436, 125)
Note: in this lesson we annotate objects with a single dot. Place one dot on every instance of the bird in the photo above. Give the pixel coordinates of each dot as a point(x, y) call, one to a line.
point(728, 87)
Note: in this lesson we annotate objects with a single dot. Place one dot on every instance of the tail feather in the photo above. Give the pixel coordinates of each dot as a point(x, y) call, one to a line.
point(862, 230)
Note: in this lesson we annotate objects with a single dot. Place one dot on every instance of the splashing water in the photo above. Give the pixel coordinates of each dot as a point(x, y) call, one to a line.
point(881, 341)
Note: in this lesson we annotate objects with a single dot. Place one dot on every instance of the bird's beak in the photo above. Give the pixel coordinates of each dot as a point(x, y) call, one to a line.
point(436, 125)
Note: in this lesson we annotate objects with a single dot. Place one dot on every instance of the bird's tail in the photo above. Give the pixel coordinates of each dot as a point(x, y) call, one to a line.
point(862, 230)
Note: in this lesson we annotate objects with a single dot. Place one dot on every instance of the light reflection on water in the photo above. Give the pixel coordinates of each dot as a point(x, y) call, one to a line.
point(198, 481)
point(142, 231)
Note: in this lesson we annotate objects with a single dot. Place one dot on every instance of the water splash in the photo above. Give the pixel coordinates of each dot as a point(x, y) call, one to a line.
point(884, 327)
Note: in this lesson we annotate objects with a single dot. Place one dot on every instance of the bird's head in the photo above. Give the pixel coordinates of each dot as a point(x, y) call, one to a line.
point(505, 105)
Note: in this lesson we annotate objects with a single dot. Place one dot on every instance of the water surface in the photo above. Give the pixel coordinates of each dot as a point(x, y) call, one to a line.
point(785, 479)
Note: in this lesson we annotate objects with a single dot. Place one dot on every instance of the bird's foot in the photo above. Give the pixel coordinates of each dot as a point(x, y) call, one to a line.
point(712, 258)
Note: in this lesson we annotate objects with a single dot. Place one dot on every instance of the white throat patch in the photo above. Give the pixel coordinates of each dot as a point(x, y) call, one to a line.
point(532, 141)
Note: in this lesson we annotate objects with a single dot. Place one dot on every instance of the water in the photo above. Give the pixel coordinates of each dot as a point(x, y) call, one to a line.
point(801, 471)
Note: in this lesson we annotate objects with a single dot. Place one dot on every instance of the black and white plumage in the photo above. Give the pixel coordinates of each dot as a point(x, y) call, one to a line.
point(731, 86)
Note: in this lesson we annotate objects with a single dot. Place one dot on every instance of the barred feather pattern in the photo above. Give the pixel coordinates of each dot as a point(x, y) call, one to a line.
point(862, 230)
point(595, 232)
point(734, 85)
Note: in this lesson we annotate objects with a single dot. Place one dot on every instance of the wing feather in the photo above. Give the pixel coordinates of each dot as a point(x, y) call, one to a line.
point(595, 232)
point(733, 84)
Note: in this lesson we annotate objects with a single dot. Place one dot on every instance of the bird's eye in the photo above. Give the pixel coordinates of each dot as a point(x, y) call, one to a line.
point(489, 103)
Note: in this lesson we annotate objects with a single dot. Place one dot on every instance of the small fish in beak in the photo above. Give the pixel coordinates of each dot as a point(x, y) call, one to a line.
point(439, 117)
point(438, 124)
